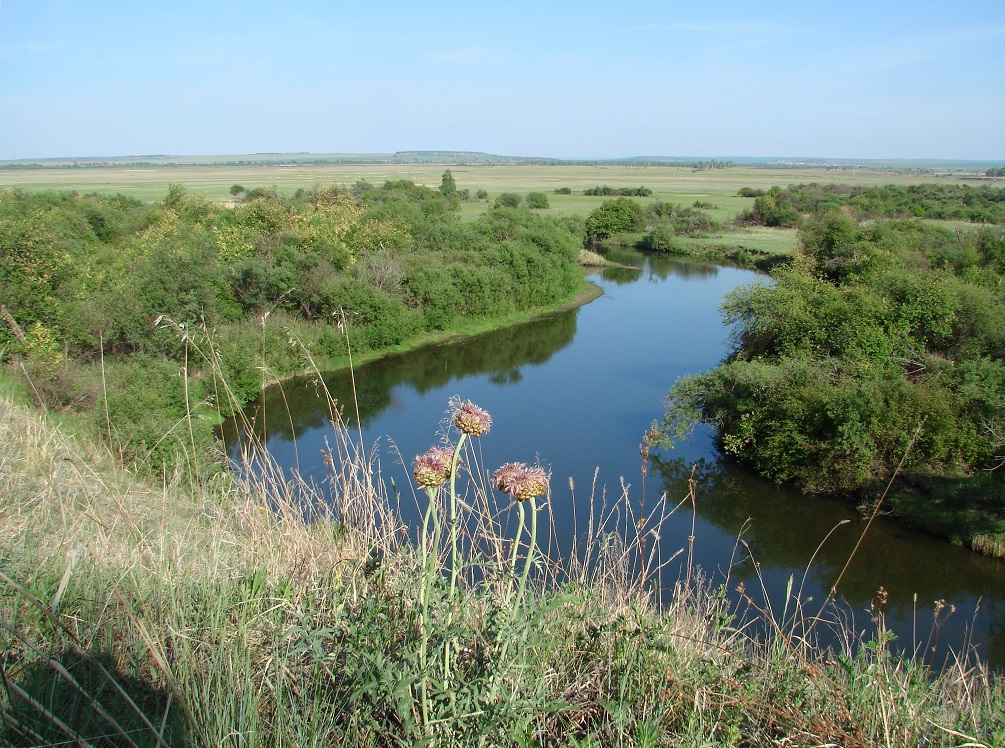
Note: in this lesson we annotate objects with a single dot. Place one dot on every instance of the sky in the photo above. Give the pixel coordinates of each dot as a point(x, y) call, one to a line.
point(591, 79)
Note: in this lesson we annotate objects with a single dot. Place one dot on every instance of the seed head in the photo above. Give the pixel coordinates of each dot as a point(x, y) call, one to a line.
point(432, 468)
point(471, 419)
point(521, 482)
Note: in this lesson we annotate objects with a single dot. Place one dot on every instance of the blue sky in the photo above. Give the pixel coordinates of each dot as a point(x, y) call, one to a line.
point(570, 80)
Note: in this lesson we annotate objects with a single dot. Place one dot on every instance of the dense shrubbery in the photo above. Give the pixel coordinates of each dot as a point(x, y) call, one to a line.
point(874, 332)
point(782, 207)
point(606, 191)
point(86, 277)
point(669, 220)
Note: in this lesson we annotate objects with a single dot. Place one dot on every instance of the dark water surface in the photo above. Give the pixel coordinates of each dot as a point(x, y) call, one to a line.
point(576, 390)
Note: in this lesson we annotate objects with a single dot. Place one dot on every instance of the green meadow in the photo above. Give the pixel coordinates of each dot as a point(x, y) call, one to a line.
point(679, 184)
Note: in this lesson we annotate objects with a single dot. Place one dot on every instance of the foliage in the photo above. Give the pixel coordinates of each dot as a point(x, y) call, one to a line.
point(606, 191)
point(962, 202)
point(614, 217)
point(563, 190)
point(508, 200)
point(862, 353)
point(448, 188)
point(537, 200)
point(92, 276)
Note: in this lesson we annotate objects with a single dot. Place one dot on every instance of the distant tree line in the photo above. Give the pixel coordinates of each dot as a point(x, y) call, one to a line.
point(607, 191)
point(998, 171)
point(783, 207)
point(713, 164)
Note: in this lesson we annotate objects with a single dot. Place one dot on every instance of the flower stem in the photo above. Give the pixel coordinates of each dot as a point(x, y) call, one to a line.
point(455, 556)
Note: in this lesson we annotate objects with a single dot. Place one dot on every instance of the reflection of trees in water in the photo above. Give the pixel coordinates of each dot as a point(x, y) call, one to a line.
point(652, 266)
point(299, 405)
point(787, 527)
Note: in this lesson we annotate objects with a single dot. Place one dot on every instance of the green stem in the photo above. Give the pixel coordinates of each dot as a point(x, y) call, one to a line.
point(516, 545)
point(531, 548)
point(428, 563)
point(455, 556)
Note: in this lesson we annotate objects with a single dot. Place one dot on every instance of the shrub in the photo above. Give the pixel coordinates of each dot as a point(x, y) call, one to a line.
point(508, 200)
point(537, 200)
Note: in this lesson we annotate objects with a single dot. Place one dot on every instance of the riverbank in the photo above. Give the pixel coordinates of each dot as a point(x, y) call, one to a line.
point(214, 614)
point(460, 329)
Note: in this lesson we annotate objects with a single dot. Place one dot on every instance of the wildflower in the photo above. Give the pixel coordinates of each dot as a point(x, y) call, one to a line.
point(471, 419)
point(521, 482)
point(432, 468)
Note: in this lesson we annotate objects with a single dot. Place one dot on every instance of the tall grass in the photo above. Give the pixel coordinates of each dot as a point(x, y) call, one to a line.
point(257, 609)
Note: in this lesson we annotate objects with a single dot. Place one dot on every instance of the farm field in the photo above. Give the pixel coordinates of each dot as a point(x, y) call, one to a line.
point(676, 184)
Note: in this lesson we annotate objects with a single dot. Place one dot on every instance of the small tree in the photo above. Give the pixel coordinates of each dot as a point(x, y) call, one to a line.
point(236, 190)
point(508, 200)
point(448, 188)
point(537, 200)
point(614, 217)
point(482, 195)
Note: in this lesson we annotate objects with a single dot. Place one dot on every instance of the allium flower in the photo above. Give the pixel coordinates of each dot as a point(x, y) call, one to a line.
point(507, 476)
point(432, 468)
point(521, 482)
point(471, 419)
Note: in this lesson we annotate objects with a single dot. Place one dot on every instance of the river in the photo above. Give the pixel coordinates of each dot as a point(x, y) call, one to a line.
point(576, 390)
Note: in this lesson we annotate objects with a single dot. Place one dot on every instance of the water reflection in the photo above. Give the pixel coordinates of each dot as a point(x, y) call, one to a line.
point(297, 407)
point(782, 531)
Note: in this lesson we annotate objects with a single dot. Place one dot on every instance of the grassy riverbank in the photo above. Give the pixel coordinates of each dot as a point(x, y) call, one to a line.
point(213, 614)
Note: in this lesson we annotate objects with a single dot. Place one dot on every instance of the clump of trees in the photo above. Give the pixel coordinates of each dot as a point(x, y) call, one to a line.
point(606, 191)
point(880, 342)
point(614, 217)
point(667, 221)
point(151, 286)
point(563, 190)
point(783, 207)
point(998, 171)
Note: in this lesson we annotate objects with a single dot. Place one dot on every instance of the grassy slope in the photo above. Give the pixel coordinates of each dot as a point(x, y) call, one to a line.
point(224, 620)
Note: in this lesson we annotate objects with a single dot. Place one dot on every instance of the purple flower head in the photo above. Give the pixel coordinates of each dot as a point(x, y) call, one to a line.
point(521, 482)
point(471, 419)
point(432, 468)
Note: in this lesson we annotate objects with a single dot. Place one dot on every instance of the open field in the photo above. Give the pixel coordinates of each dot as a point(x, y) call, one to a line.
point(676, 184)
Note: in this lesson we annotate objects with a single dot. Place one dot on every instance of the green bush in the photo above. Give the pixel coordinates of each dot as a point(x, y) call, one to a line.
point(537, 200)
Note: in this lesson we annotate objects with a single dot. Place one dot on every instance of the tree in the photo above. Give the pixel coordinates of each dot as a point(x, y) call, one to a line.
point(236, 190)
point(537, 200)
point(448, 188)
point(614, 217)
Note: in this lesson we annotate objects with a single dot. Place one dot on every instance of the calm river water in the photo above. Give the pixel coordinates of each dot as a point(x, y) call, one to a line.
point(576, 390)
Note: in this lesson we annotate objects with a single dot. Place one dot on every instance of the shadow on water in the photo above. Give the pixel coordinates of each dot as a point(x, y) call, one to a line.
point(297, 406)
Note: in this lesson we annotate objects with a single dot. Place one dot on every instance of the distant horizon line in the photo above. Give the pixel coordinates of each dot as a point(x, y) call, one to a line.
point(429, 155)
